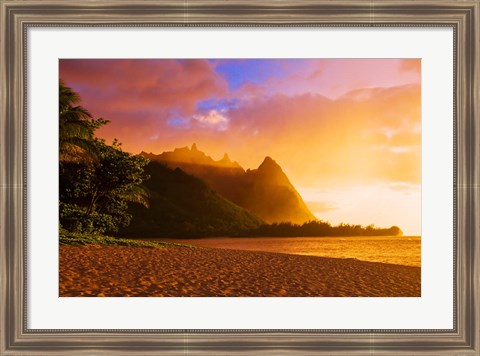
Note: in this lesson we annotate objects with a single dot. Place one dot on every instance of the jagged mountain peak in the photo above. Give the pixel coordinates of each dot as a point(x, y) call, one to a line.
point(225, 159)
point(269, 163)
point(265, 191)
point(182, 205)
point(192, 155)
point(270, 172)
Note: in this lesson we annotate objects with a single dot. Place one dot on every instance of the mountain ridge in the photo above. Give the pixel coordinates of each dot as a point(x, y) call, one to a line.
point(191, 155)
point(266, 191)
point(182, 205)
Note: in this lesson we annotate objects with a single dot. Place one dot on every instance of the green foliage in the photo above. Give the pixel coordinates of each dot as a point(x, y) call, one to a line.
point(76, 128)
point(182, 205)
point(96, 180)
point(69, 238)
point(74, 218)
point(94, 197)
point(321, 228)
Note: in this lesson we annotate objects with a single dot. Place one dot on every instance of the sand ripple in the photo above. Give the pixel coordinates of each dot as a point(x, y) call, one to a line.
point(120, 271)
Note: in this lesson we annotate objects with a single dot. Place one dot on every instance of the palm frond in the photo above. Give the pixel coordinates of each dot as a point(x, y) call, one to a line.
point(137, 194)
point(75, 129)
point(77, 149)
point(75, 113)
point(78, 129)
point(67, 96)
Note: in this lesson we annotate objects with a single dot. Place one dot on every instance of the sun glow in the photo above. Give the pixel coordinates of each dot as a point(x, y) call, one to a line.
point(386, 203)
point(346, 132)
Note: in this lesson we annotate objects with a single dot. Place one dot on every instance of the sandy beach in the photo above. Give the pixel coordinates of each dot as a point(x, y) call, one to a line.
point(119, 271)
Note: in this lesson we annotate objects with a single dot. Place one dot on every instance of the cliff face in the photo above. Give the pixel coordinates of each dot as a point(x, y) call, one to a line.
point(182, 205)
point(265, 192)
point(185, 156)
point(270, 195)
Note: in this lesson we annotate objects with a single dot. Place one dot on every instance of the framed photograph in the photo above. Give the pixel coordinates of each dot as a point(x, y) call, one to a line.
point(244, 177)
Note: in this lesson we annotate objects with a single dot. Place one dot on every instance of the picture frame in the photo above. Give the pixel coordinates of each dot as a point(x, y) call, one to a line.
point(17, 16)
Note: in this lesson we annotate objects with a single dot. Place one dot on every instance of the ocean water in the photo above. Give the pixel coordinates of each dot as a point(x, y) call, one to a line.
point(404, 250)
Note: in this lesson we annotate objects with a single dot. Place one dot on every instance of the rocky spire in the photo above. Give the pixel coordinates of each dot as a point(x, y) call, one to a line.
point(226, 158)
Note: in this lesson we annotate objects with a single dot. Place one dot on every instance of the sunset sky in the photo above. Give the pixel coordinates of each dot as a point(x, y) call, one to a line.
point(347, 132)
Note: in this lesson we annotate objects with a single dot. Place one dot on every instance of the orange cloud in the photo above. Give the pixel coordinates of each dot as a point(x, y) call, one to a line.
point(347, 128)
point(336, 77)
point(374, 137)
point(410, 65)
point(142, 85)
point(213, 119)
point(364, 135)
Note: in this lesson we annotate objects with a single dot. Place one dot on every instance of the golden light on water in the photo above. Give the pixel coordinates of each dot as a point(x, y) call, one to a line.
point(347, 132)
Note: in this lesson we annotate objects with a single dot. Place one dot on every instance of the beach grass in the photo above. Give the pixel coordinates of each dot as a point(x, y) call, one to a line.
point(79, 239)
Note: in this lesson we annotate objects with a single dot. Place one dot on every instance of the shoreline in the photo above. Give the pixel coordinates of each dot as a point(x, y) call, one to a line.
point(105, 271)
point(405, 251)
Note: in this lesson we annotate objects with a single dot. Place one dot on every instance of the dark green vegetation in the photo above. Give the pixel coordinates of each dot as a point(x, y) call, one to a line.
point(104, 190)
point(93, 197)
point(265, 191)
point(182, 205)
point(75, 238)
point(96, 180)
point(320, 228)
point(76, 128)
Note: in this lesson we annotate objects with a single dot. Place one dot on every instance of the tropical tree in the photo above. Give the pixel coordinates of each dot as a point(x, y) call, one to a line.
point(76, 128)
point(94, 197)
point(96, 180)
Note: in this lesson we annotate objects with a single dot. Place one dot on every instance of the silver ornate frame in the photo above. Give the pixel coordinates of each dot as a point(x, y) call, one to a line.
point(17, 15)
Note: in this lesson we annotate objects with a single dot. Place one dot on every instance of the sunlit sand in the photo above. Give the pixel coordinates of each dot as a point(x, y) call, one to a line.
point(295, 177)
point(108, 271)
